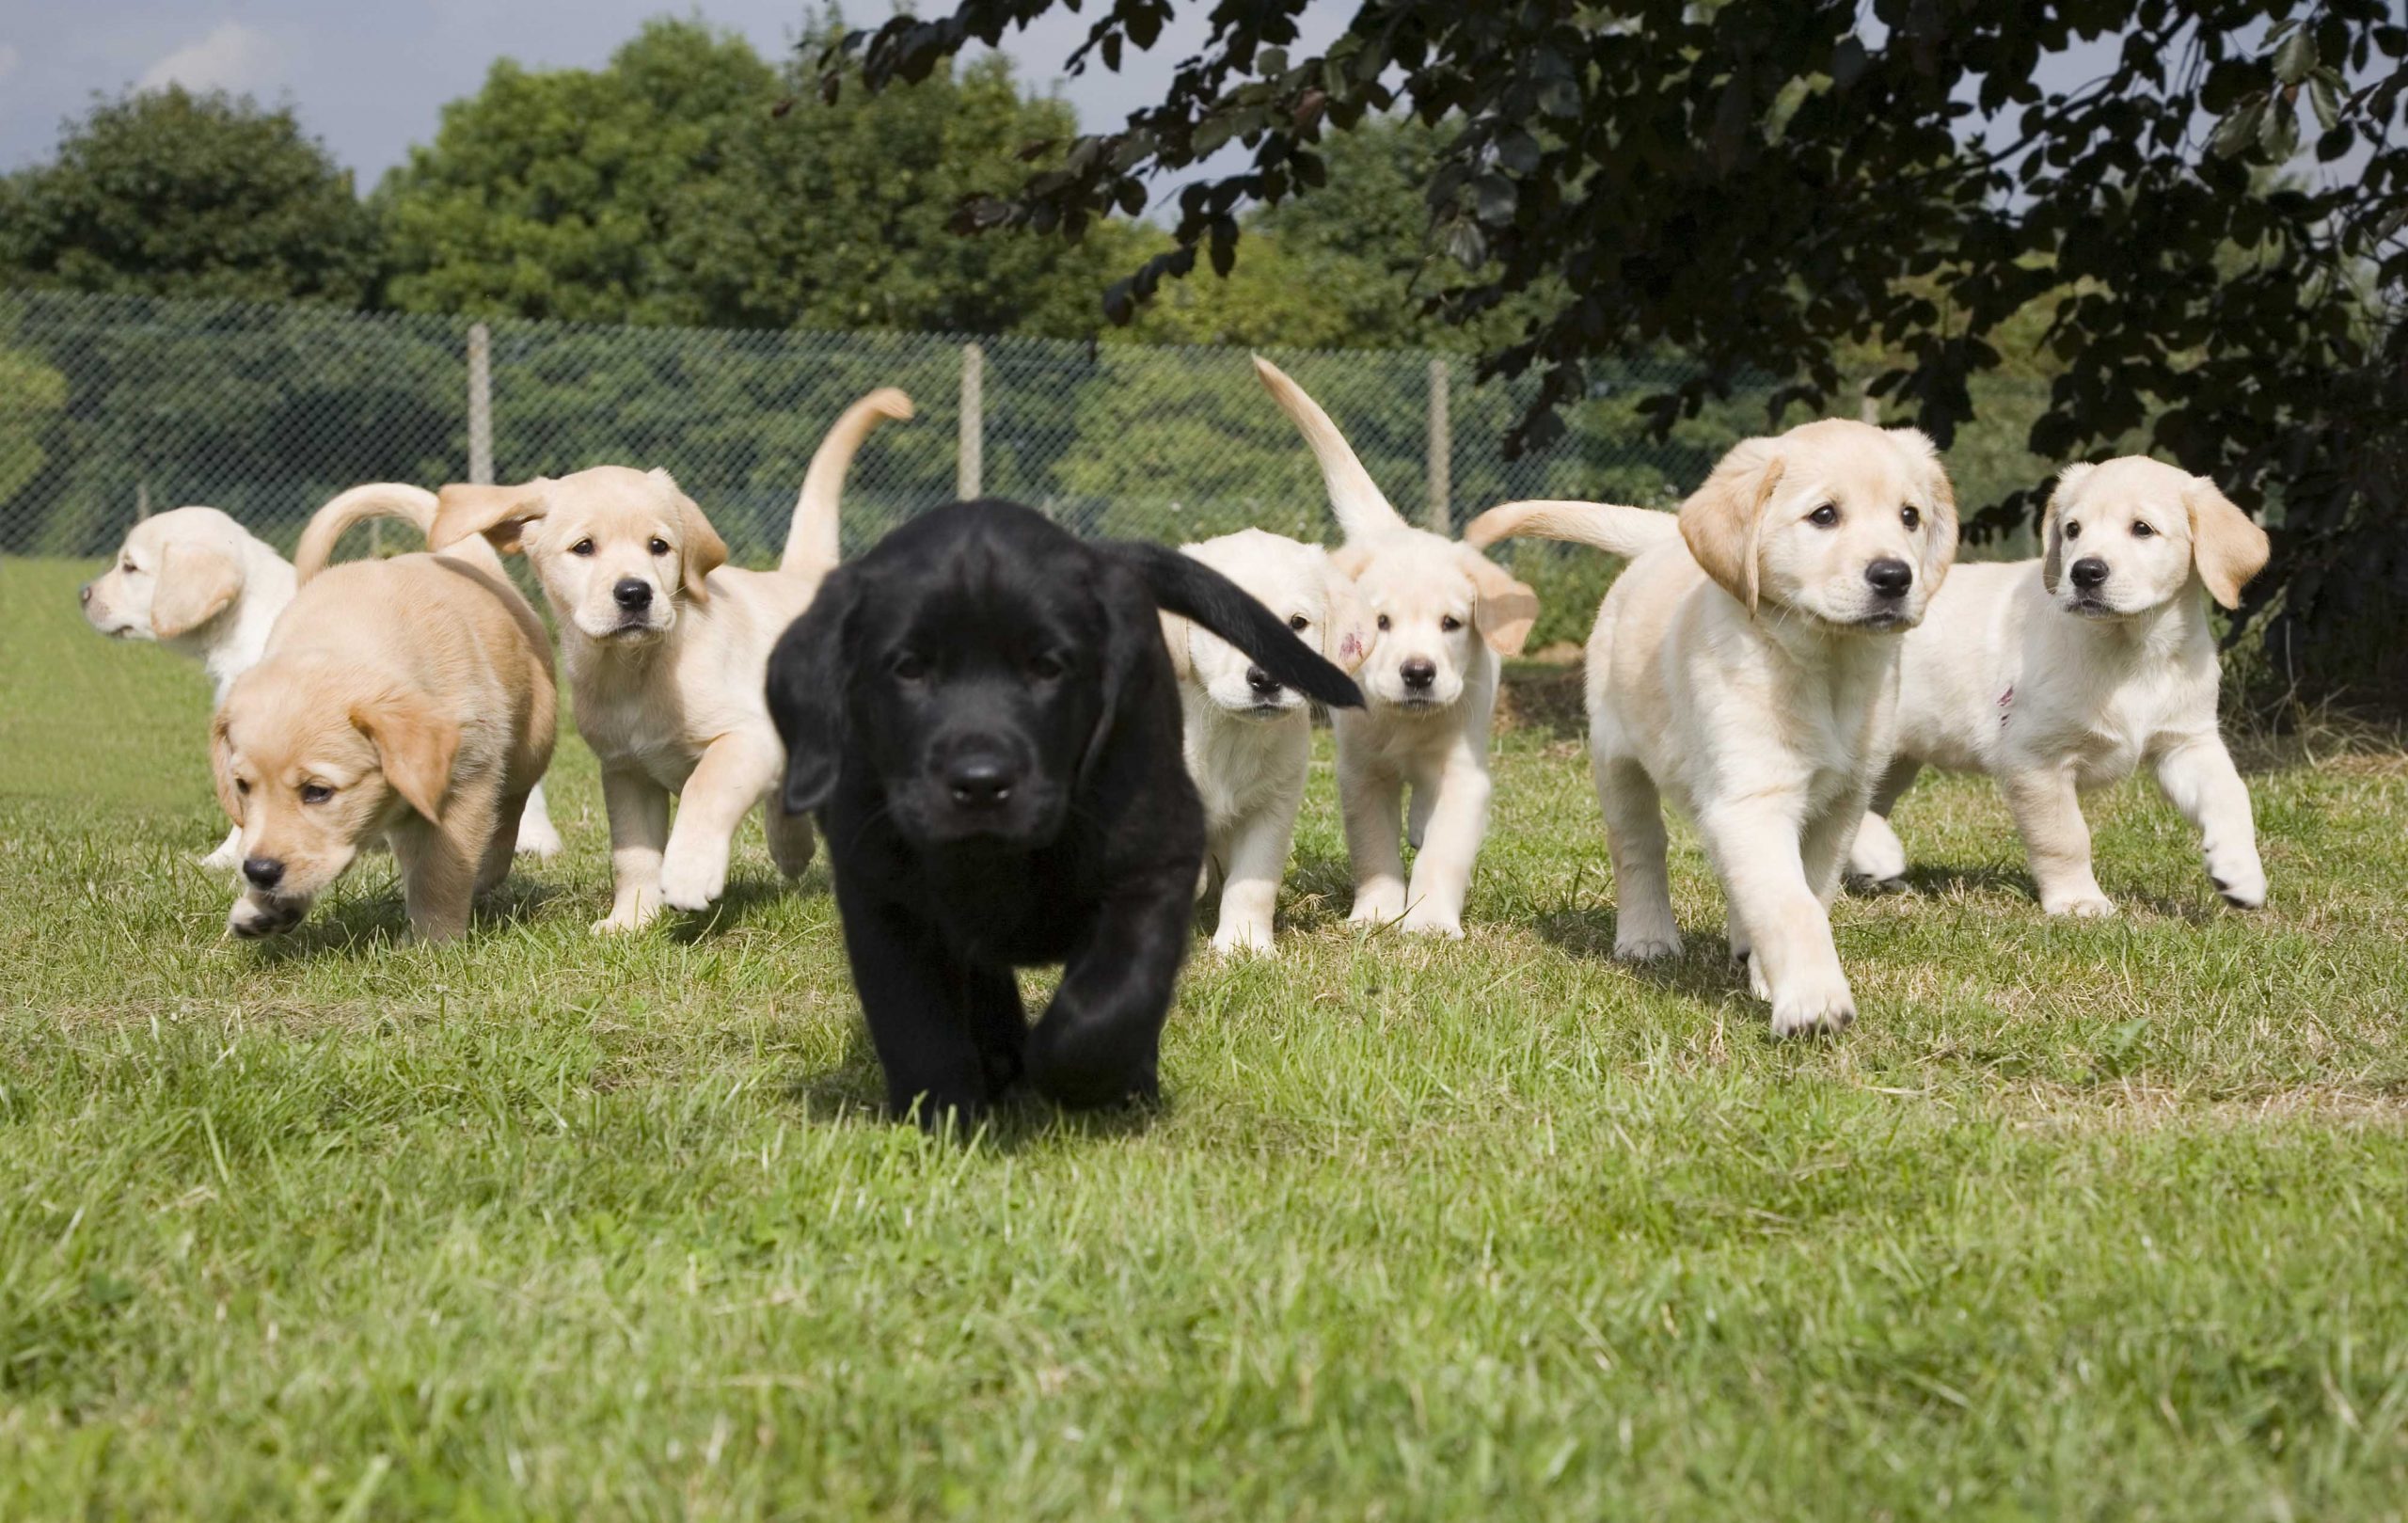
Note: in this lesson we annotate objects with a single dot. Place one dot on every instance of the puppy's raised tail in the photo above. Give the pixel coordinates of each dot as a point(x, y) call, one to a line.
point(1184, 585)
point(811, 539)
point(1608, 526)
point(377, 499)
point(1361, 507)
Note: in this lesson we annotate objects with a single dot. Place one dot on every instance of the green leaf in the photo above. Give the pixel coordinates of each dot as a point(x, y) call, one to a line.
point(1518, 150)
point(1496, 197)
point(2234, 135)
point(2295, 57)
point(2279, 137)
point(2321, 97)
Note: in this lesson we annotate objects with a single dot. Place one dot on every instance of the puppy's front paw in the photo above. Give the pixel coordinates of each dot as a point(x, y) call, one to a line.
point(1817, 1003)
point(537, 838)
point(1423, 921)
point(1246, 938)
point(694, 880)
point(1647, 947)
point(2242, 885)
point(632, 911)
point(2083, 906)
point(1377, 905)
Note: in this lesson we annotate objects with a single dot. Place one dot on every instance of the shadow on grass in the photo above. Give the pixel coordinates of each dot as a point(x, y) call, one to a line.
point(745, 899)
point(377, 921)
point(853, 1090)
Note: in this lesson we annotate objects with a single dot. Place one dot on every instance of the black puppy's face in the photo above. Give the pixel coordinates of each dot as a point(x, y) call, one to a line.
point(974, 702)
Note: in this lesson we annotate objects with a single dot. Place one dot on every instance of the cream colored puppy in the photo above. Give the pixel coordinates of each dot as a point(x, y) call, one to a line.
point(2066, 673)
point(667, 650)
point(1745, 665)
point(1249, 739)
point(1441, 614)
point(409, 700)
point(206, 588)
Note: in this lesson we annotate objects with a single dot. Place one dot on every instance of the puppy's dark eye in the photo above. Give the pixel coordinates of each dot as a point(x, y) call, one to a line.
point(316, 793)
point(909, 667)
point(1910, 516)
point(242, 786)
point(2073, 530)
point(1384, 621)
point(2141, 530)
point(129, 568)
point(1298, 622)
point(659, 545)
point(1045, 668)
point(583, 547)
point(1824, 517)
point(1450, 623)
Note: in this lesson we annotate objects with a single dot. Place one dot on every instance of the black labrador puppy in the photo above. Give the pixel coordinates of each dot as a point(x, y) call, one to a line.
point(983, 715)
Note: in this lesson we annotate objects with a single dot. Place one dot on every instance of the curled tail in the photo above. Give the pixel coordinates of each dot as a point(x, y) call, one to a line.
point(1608, 526)
point(1184, 585)
point(810, 540)
point(377, 499)
point(1361, 507)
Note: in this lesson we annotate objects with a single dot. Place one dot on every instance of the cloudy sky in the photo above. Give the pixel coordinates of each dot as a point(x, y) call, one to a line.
point(369, 75)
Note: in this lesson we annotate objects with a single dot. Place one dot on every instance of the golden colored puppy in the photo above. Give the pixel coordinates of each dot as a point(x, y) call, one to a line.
point(1746, 665)
point(409, 699)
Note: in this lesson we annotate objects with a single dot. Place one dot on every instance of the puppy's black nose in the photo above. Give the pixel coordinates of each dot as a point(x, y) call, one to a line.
point(263, 872)
point(84, 594)
point(1890, 577)
point(1418, 674)
point(2089, 572)
point(1262, 682)
point(631, 593)
point(979, 783)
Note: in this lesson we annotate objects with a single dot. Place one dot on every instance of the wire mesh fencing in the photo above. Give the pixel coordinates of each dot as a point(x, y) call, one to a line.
point(111, 407)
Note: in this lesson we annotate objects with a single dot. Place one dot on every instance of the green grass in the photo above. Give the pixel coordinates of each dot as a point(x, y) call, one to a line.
point(2082, 1219)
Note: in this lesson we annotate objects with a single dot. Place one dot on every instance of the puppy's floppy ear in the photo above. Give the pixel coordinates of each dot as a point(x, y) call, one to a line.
point(1176, 634)
point(2227, 548)
point(2053, 536)
point(195, 585)
point(1723, 521)
point(704, 552)
point(1350, 561)
point(415, 746)
point(811, 672)
point(1346, 627)
point(221, 767)
point(500, 514)
point(1939, 536)
point(1503, 609)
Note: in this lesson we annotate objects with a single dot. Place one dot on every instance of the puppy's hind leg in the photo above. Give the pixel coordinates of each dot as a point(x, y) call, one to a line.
point(1635, 838)
point(2198, 777)
point(1877, 855)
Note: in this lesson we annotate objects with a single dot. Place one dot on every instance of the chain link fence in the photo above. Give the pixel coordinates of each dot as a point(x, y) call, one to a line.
point(111, 407)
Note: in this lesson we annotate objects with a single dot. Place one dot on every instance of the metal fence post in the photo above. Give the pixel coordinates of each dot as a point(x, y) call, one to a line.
point(480, 405)
point(1441, 516)
point(970, 475)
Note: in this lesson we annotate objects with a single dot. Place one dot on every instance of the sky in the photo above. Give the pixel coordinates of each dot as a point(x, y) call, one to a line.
point(369, 76)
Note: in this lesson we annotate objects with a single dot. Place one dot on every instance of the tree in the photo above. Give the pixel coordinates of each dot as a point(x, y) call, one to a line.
point(168, 192)
point(1763, 183)
point(686, 181)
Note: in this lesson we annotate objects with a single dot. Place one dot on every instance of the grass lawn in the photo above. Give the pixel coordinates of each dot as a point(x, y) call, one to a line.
point(2098, 1219)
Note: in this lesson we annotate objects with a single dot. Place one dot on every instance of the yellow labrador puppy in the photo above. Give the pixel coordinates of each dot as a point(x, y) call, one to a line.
point(409, 700)
point(668, 652)
point(1441, 614)
point(2066, 674)
point(1745, 664)
point(203, 586)
point(1249, 738)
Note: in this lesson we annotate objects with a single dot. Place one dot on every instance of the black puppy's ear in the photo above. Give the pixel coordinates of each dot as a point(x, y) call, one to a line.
point(810, 671)
point(1184, 585)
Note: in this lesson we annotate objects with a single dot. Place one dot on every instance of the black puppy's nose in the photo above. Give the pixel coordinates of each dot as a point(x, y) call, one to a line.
point(1890, 577)
point(2089, 572)
point(631, 593)
point(263, 872)
point(1262, 682)
point(1419, 672)
point(979, 783)
point(84, 594)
